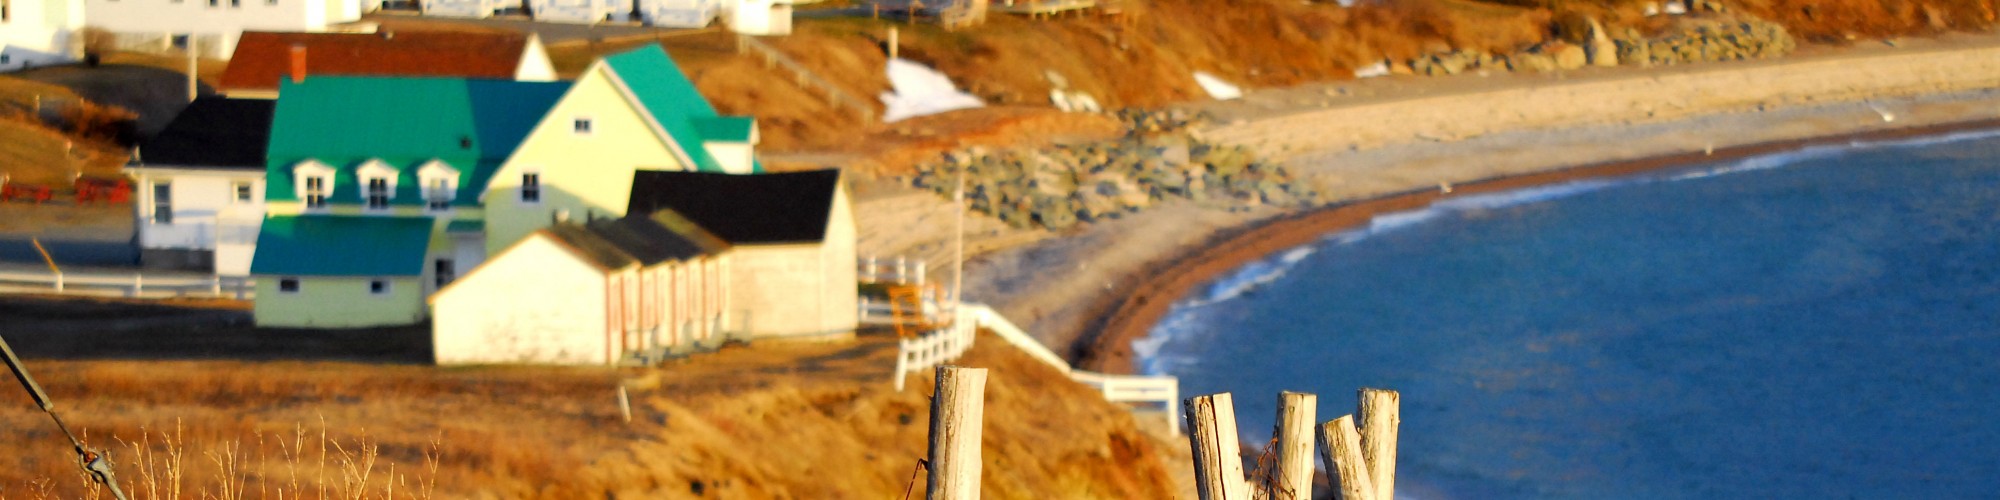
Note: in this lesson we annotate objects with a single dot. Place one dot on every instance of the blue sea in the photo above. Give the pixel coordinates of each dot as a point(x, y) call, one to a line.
point(1822, 323)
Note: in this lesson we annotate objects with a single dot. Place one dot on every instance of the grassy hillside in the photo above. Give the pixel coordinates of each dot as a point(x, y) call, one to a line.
point(765, 421)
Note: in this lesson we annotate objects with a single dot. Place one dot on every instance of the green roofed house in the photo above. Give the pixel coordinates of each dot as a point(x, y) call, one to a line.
point(483, 163)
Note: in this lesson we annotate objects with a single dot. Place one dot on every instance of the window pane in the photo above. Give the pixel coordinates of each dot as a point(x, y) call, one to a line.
point(163, 203)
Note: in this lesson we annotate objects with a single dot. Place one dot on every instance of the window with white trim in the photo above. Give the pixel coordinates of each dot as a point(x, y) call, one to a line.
point(531, 187)
point(378, 193)
point(581, 125)
point(378, 286)
point(244, 192)
point(288, 285)
point(378, 184)
point(314, 183)
point(163, 203)
point(316, 190)
point(440, 185)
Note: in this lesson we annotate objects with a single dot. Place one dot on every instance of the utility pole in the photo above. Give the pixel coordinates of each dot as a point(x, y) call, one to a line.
point(93, 461)
point(194, 66)
point(958, 248)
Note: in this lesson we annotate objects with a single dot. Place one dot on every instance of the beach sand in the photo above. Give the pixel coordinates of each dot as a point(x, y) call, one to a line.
point(1089, 292)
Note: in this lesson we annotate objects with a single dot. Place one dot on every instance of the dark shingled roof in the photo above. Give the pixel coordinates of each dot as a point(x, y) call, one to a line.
point(616, 243)
point(213, 132)
point(788, 207)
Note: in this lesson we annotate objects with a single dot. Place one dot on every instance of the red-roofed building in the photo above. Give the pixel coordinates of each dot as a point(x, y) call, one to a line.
point(263, 59)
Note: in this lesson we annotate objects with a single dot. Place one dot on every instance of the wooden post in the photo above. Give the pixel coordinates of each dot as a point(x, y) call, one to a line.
point(893, 45)
point(957, 410)
point(138, 284)
point(194, 67)
point(624, 404)
point(1340, 445)
point(1293, 480)
point(1218, 462)
point(1381, 416)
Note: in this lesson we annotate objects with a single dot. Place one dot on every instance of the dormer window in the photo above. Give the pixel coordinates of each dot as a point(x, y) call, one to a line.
point(440, 183)
point(378, 193)
point(314, 183)
point(378, 184)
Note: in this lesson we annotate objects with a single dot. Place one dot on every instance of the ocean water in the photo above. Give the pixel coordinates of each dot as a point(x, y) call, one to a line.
point(1816, 324)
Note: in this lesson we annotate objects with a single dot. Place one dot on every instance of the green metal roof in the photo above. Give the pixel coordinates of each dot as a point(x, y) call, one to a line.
point(465, 226)
point(725, 128)
point(342, 245)
point(471, 125)
point(672, 99)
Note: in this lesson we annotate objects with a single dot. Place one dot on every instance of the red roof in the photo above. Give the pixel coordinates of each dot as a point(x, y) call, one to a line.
point(264, 58)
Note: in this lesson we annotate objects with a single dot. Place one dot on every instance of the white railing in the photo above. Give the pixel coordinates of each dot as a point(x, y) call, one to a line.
point(931, 349)
point(134, 285)
point(1161, 390)
point(1157, 390)
point(897, 270)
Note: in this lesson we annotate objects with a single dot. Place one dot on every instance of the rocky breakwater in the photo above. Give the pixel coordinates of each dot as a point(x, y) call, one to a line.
point(1687, 41)
point(1708, 41)
point(1159, 159)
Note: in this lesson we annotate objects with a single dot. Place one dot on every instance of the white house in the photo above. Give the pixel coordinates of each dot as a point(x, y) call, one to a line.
point(791, 237)
point(588, 294)
point(39, 32)
point(213, 25)
point(581, 11)
point(760, 17)
point(680, 13)
point(200, 186)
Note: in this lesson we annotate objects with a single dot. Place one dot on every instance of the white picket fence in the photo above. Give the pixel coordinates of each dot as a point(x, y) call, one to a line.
point(134, 285)
point(948, 343)
point(931, 349)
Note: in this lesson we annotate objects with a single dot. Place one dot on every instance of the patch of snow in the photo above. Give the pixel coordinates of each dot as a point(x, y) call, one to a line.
point(1674, 7)
point(1218, 89)
point(919, 90)
point(1380, 68)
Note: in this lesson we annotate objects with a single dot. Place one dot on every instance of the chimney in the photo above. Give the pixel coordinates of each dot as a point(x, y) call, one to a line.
point(298, 63)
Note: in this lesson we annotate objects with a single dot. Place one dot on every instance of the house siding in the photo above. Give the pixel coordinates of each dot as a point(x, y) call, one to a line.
point(224, 23)
point(339, 302)
point(583, 175)
point(206, 216)
point(535, 303)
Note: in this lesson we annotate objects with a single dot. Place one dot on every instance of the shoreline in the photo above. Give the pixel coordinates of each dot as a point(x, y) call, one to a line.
point(1131, 311)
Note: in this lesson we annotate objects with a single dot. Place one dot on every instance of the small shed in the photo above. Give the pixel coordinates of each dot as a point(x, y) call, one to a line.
point(599, 293)
point(791, 237)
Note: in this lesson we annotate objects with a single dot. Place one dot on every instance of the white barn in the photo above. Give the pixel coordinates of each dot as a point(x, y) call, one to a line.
point(200, 187)
point(588, 294)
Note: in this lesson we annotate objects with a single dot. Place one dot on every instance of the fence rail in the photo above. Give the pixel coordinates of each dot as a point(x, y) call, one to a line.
point(134, 285)
point(1162, 391)
point(805, 77)
point(898, 270)
point(931, 349)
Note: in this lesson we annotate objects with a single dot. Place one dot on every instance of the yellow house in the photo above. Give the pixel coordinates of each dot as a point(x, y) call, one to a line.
point(627, 112)
point(484, 162)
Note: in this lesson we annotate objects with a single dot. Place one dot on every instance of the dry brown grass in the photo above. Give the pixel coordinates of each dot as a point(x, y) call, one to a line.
point(797, 420)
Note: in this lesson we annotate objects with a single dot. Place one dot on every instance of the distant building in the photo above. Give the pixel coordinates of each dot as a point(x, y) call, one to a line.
point(704, 257)
point(212, 26)
point(791, 237)
point(263, 59)
point(201, 187)
point(590, 294)
point(566, 11)
point(489, 162)
point(39, 32)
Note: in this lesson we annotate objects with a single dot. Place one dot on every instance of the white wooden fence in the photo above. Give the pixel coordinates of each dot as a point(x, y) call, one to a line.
point(134, 285)
point(898, 270)
point(931, 349)
point(948, 343)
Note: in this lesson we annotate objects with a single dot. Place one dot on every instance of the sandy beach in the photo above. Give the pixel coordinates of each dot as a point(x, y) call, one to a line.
point(1383, 145)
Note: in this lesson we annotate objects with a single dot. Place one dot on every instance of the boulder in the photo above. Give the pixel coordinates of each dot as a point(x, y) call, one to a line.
point(1569, 56)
